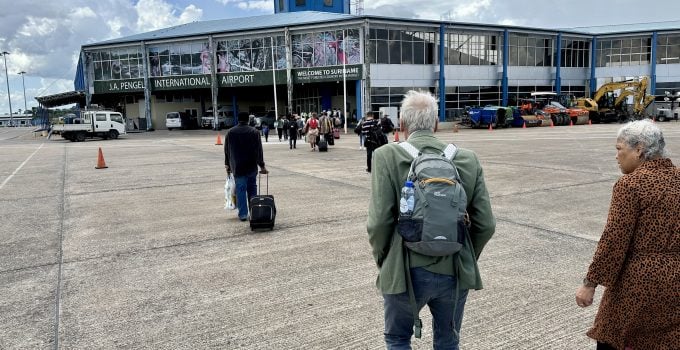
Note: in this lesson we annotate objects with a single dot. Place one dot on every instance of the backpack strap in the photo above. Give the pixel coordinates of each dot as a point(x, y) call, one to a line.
point(450, 151)
point(409, 148)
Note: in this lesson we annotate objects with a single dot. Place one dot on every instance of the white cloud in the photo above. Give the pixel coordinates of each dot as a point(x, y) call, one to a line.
point(37, 27)
point(157, 14)
point(472, 9)
point(84, 12)
point(262, 5)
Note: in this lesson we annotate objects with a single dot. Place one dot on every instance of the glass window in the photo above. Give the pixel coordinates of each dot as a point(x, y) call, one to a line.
point(100, 117)
point(300, 2)
point(328, 3)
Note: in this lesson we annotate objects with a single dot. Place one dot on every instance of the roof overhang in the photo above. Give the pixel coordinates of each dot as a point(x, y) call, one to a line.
point(61, 99)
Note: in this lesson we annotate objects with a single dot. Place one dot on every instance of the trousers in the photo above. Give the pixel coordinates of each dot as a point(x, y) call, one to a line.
point(437, 291)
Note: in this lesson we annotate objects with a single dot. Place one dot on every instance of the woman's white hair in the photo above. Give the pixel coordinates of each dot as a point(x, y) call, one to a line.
point(419, 111)
point(645, 134)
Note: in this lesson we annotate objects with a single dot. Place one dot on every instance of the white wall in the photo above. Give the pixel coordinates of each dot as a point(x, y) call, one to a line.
point(403, 75)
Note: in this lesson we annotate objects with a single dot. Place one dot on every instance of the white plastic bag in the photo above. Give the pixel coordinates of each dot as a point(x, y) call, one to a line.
point(230, 193)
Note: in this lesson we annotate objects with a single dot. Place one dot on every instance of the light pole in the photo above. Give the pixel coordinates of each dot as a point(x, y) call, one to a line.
point(9, 98)
point(23, 83)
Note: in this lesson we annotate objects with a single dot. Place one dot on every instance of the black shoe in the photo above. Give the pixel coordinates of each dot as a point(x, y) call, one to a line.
point(243, 219)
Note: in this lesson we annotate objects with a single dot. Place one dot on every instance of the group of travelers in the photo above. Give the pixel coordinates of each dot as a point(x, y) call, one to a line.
point(420, 262)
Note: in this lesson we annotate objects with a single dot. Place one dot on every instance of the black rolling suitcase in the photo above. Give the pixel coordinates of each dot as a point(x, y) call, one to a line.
point(262, 209)
point(331, 140)
point(323, 144)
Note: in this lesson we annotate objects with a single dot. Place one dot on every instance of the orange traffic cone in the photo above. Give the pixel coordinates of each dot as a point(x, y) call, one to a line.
point(571, 122)
point(219, 140)
point(101, 164)
point(524, 125)
point(455, 127)
point(590, 122)
point(490, 127)
point(552, 124)
point(396, 136)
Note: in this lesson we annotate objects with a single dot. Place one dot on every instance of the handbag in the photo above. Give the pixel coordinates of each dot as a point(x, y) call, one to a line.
point(230, 193)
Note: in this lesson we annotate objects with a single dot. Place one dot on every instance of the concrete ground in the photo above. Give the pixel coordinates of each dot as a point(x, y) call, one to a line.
point(142, 255)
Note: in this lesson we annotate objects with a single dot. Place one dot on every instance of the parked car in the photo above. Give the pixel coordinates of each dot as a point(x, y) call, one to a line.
point(173, 120)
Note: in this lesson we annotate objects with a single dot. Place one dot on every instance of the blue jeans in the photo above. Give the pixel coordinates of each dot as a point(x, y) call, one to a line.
point(438, 293)
point(246, 188)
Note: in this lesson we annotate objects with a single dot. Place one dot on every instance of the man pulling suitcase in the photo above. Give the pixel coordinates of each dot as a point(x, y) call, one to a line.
point(242, 155)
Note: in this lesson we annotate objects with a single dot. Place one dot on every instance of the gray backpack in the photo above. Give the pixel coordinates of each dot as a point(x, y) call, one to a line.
point(439, 223)
point(437, 226)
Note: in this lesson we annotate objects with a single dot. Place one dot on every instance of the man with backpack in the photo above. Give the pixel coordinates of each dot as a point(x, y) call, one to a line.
point(426, 246)
point(373, 137)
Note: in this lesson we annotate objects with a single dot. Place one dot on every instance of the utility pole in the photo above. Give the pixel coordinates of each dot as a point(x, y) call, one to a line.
point(9, 98)
point(23, 83)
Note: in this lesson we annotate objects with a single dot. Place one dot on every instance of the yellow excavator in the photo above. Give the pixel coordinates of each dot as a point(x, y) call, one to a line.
point(606, 106)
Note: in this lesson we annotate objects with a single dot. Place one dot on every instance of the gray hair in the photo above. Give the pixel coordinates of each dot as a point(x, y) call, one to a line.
point(419, 111)
point(646, 134)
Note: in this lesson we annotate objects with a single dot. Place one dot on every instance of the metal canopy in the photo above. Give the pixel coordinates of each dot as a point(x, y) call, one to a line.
point(61, 99)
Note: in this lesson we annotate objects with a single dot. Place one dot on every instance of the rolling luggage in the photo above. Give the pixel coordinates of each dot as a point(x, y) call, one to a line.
point(331, 140)
point(323, 144)
point(336, 133)
point(262, 209)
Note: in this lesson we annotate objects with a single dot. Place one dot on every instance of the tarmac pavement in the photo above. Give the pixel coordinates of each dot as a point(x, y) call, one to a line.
point(142, 255)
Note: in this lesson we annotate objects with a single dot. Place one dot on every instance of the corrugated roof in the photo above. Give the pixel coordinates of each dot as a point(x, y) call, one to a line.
point(629, 28)
point(288, 19)
point(232, 25)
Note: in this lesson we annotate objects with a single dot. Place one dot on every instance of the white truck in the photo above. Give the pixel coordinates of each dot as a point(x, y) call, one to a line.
point(104, 124)
point(225, 118)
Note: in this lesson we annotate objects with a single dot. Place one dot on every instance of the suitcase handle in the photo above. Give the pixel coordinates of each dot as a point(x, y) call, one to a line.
point(259, 183)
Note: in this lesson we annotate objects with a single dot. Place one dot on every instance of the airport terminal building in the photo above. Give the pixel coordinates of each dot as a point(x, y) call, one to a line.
point(314, 55)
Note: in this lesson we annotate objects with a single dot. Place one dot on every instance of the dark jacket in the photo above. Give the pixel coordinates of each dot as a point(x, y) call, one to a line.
point(292, 128)
point(243, 150)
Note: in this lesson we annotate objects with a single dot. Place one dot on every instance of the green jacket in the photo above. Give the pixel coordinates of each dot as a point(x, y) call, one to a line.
point(390, 168)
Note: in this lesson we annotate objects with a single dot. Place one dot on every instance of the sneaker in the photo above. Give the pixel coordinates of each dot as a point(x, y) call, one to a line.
point(243, 219)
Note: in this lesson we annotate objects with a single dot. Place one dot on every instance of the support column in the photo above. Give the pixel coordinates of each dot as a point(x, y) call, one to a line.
point(504, 79)
point(442, 74)
point(366, 71)
point(558, 65)
point(289, 72)
point(359, 96)
point(652, 76)
point(214, 88)
point(88, 91)
point(593, 63)
point(147, 88)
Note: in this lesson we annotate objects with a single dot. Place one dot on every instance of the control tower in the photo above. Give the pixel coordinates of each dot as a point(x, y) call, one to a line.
point(335, 6)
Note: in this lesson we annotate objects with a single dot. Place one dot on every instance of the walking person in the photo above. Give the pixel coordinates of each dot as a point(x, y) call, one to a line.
point(373, 137)
point(312, 131)
point(292, 133)
point(279, 128)
point(440, 282)
point(265, 132)
point(637, 258)
point(357, 130)
point(242, 155)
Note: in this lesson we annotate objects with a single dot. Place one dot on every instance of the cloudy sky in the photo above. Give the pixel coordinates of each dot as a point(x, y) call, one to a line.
point(43, 37)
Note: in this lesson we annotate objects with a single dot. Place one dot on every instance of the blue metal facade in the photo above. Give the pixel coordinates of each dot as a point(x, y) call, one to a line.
point(653, 59)
point(504, 80)
point(558, 65)
point(442, 75)
point(334, 6)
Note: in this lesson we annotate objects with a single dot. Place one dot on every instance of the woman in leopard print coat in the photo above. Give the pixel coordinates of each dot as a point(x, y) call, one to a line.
point(638, 256)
